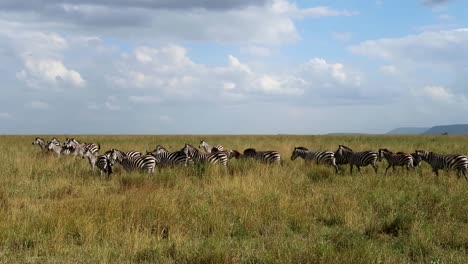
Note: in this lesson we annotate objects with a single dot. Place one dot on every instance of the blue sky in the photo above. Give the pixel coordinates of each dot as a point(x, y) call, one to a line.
point(231, 67)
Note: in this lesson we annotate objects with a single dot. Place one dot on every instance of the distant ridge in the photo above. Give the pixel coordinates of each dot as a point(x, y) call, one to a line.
point(408, 131)
point(458, 129)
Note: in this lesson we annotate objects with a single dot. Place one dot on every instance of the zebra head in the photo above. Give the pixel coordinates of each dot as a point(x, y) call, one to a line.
point(160, 149)
point(87, 153)
point(205, 145)
point(298, 152)
point(189, 150)
point(38, 141)
point(423, 154)
point(382, 153)
point(234, 154)
point(111, 157)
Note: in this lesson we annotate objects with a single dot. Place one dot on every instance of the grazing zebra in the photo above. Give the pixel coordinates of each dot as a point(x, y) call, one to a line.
point(230, 153)
point(104, 162)
point(120, 155)
point(166, 158)
point(269, 156)
point(398, 159)
point(326, 157)
point(443, 161)
point(358, 159)
point(145, 163)
point(208, 148)
point(211, 158)
point(40, 142)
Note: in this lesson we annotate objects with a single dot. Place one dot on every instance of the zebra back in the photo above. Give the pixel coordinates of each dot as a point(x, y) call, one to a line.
point(319, 156)
point(363, 158)
point(398, 159)
point(267, 156)
point(198, 157)
point(444, 161)
point(146, 163)
point(166, 158)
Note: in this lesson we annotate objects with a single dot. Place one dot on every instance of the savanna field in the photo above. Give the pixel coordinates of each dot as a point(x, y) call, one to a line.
point(57, 210)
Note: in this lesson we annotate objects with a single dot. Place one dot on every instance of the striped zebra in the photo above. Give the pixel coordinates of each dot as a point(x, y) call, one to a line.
point(92, 147)
point(166, 158)
point(120, 155)
point(444, 161)
point(103, 162)
point(144, 163)
point(325, 157)
point(358, 159)
point(268, 156)
point(211, 158)
point(398, 159)
point(230, 153)
point(58, 149)
point(40, 142)
point(416, 159)
point(77, 147)
point(208, 148)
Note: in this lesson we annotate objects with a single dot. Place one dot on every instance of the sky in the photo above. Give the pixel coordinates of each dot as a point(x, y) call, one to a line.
point(232, 66)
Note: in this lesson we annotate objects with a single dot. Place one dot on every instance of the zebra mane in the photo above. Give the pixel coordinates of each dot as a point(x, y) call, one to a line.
point(301, 148)
point(191, 147)
point(160, 147)
point(345, 147)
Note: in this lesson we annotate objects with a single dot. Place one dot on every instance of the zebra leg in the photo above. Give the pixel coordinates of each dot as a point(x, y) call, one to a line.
point(436, 171)
point(336, 168)
point(375, 167)
point(359, 169)
point(386, 170)
point(351, 169)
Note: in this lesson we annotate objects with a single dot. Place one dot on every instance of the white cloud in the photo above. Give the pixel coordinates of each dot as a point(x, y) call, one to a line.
point(440, 94)
point(257, 50)
point(443, 46)
point(332, 73)
point(38, 105)
point(43, 72)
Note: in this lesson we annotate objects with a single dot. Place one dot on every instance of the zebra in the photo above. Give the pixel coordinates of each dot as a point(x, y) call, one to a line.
point(58, 149)
point(269, 156)
point(120, 155)
point(92, 147)
point(104, 162)
point(78, 148)
point(327, 157)
point(230, 153)
point(40, 142)
point(198, 157)
point(166, 158)
point(398, 159)
point(208, 148)
point(358, 159)
point(444, 161)
point(416, 159)
point(145, 162)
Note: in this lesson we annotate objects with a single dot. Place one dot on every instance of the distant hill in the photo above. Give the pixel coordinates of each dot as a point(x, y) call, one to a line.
point(459, 129)
point(408, 131)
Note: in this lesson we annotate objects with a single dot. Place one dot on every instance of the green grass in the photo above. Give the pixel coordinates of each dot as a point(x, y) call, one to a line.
point(56, 210)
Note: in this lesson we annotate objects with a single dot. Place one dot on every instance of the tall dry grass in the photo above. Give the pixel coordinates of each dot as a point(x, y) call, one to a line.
point(58, 210)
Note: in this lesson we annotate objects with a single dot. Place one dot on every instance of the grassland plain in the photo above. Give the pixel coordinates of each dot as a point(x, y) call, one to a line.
point(56, 210)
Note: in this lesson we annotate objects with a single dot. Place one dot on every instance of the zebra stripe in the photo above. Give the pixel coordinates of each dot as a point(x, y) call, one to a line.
point(120, 155)
point(166, 158)
point(358, 159)
point(103, 162)
point(145, 163)
point(208, 148)
point(326, 157)
point(269, 156)
point(443, 161)
point(198, 157)
point(230, 153)
point(398, 159)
